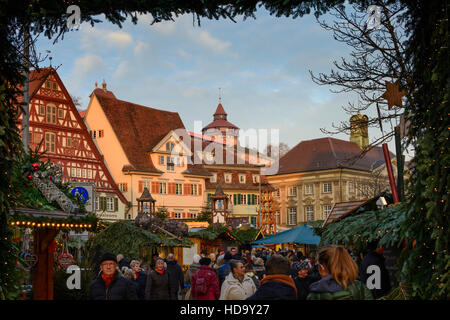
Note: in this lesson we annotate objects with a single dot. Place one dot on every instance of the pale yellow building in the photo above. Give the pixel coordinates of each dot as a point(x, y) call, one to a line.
point(316, 174)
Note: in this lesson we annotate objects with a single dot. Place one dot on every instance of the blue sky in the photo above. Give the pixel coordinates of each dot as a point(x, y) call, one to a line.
point(261, 65)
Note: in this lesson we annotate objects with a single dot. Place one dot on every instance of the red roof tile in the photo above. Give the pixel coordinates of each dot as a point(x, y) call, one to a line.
point(328, 153)
point(220, 124)
point(220, 110)
point(138, 128)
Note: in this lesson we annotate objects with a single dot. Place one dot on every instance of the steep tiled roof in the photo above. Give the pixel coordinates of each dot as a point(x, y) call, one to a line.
point(220, 124)
point(138, 128)
point(36, 80)
point(328, 153)
point(220, 110)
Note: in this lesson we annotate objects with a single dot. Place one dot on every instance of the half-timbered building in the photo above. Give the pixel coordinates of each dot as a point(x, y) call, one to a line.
point(56, 128)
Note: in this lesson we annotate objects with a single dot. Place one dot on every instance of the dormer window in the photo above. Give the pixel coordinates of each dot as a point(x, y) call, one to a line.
point(169, 146)
point(242, 178)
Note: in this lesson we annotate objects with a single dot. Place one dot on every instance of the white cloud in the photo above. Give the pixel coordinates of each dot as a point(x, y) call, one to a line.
point(140, 48)
point(101, 39)
point(89, 63)
point(205, 39)
point(123, 70)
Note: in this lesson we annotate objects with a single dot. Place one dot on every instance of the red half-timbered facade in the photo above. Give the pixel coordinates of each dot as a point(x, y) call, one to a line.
point(56, 125)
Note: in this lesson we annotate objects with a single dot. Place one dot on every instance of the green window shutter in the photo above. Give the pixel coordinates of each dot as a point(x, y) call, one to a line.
point(239, 198)
point(234, 199)
point(116, 204)
point(253, 199)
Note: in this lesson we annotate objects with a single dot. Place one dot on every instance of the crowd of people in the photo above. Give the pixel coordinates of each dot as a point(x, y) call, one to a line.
point(329, 274)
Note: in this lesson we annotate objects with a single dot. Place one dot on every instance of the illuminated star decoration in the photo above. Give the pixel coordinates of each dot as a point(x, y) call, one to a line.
point(393, 95)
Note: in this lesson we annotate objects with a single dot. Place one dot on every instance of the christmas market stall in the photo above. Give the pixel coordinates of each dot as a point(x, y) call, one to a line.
point(43, 208)
point(367, 223)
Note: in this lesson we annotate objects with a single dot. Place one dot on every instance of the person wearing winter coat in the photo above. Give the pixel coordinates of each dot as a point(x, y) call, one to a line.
point(237, 285)
point(375, 258)
point(339, 272)
point(205, 284)
point(109, 284)
point(193, 268)
point(258, 268)
point(140, 278)
point(304, 278)
point(158, 283)
point(224, 270)
point(176, 275)
point(251, 273)
point(277, 283)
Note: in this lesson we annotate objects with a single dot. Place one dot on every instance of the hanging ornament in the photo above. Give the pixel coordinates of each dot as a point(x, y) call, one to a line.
point(35, 166)
point(65, 259)
point(393, 94)
point(30, 260)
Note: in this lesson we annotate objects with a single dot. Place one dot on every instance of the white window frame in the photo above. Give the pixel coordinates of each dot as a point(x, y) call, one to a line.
point(97, 203)
point(242, 178)
point(179, 189)
point(351, 187)
point(309, 189)
point(162, 160)
point(292, 216)
point(194, 189)
point(83, 173)
point(50, 116)
point(326, 210)
point(163, 187)
point(228, 175)
point(109, 204)
point(256, 178)
point(89, 174)
point(49, 142)
point(309, 212)
point(291, 193)
point(213, 178)
point(73, 172)
point(177, 215)
point(327, 190)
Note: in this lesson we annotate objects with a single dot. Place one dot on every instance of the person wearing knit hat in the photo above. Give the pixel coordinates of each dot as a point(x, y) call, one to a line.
point(109, 284)
point(303, 278)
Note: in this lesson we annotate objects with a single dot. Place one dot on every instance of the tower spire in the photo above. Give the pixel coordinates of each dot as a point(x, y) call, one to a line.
point(220, 95)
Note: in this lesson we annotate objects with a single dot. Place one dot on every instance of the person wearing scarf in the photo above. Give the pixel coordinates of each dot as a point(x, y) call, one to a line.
point(110, 285)
point(158, 283)
point(277, 283)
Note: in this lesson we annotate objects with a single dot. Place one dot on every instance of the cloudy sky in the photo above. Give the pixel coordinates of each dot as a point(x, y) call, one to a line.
point(262, 67)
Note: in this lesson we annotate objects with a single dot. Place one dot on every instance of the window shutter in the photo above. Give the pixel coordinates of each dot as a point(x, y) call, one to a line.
point(155, 187)
point(199, 189)
point(140, 187)
point(116, 204)
point(103, 203)
point(159, 160)
point(126, 187)
point(187, 189)
point(235, 199)
point(239, 198)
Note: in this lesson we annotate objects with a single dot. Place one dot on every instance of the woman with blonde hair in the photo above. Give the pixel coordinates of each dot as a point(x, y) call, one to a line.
point(339, 272)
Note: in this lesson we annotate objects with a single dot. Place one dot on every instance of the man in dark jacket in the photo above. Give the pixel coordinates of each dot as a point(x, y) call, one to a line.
point(109, 285)
point(122, 262)
point(176, 276)
point(304, 278)
point(375, 257)
point(277, 283)
point(224, 270)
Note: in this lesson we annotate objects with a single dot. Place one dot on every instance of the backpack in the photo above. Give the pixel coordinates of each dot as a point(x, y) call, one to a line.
point(201, 287)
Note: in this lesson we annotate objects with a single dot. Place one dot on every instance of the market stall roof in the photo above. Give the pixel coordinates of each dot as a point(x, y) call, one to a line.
point(303, 234)
point(342, 209)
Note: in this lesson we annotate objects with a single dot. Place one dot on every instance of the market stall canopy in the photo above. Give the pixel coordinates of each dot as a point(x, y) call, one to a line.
point(342, 209)
point(303, 234)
